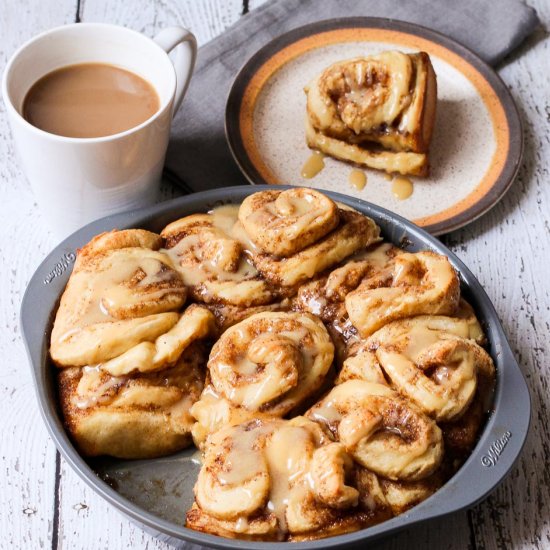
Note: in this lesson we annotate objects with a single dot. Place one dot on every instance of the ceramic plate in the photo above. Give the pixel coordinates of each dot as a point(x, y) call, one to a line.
point(477, 142)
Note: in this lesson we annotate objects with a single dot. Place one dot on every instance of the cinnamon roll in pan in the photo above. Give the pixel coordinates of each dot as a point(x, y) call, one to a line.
point(415, 284)
point(214, 264)
point(325, 295)
point(377, 448)
point(268, 480)
point(122, 292)
point(269, 363)
point(284, 223)
point(433, 361)
point(134, 416)
point(336, 234)
point(387, 99)
point(381, 430)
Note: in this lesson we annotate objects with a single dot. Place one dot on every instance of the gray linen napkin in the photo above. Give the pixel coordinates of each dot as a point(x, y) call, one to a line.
point(198, 156)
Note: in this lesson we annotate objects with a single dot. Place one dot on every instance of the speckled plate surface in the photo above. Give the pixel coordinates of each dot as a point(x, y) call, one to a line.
point(477, 143)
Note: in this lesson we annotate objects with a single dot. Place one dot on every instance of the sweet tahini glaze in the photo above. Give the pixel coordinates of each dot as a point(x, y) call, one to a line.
point(224, 218)
point(243, 461)
point(402, 187)
point(377, 256)
point(281, 352)
point(358, 179)
point(288, 205)
point(283, 452)
point(120, 283)
point(115, 295)
point(327, 413)
point(288, 454)
point(420, 337)
point(313, 165)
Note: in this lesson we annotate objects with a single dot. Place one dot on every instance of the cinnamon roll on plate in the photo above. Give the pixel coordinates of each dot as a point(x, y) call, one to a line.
point(387, 100)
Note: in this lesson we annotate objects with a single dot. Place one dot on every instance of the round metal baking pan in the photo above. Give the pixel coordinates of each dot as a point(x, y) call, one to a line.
point(156, 493)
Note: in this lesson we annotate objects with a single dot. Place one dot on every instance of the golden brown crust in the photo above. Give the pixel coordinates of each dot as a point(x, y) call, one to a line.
point(139, 416)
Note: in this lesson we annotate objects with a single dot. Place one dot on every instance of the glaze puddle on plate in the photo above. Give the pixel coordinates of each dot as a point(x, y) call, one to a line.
point(476, 146)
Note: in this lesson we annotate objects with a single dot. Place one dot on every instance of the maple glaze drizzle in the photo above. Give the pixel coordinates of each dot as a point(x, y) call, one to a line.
point(358, 179)
point(313, 165)
point(402, 188)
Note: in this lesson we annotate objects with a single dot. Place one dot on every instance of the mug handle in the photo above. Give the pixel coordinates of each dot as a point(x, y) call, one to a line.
point(186, 54)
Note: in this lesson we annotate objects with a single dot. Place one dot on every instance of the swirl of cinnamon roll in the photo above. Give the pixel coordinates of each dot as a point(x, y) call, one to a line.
point(268, 479)
point(139, 415)
point(388, 99)
point(284, 222)
point(325, 295)
point(213, 260)
point(353, 232)
point(416, 284)
point(271, 361)
point(434, 362)
point(382, 431)
point(122, 292)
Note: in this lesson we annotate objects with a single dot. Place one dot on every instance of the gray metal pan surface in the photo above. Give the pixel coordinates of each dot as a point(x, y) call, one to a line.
point(156, 493)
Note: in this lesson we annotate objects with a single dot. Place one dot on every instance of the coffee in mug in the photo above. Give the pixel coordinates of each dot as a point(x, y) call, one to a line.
point(89, 100)
point(79, 179)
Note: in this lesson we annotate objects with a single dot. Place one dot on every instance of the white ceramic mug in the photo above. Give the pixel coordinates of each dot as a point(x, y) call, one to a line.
point(77, 180)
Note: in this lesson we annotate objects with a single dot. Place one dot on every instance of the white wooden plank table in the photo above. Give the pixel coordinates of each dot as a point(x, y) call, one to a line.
point(43, 504)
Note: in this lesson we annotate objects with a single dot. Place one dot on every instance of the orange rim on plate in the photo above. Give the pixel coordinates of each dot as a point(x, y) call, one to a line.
point(239, 120)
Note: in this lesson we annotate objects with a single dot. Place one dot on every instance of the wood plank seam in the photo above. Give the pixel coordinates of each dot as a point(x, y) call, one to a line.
point(473, 543)
point(56, 502)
